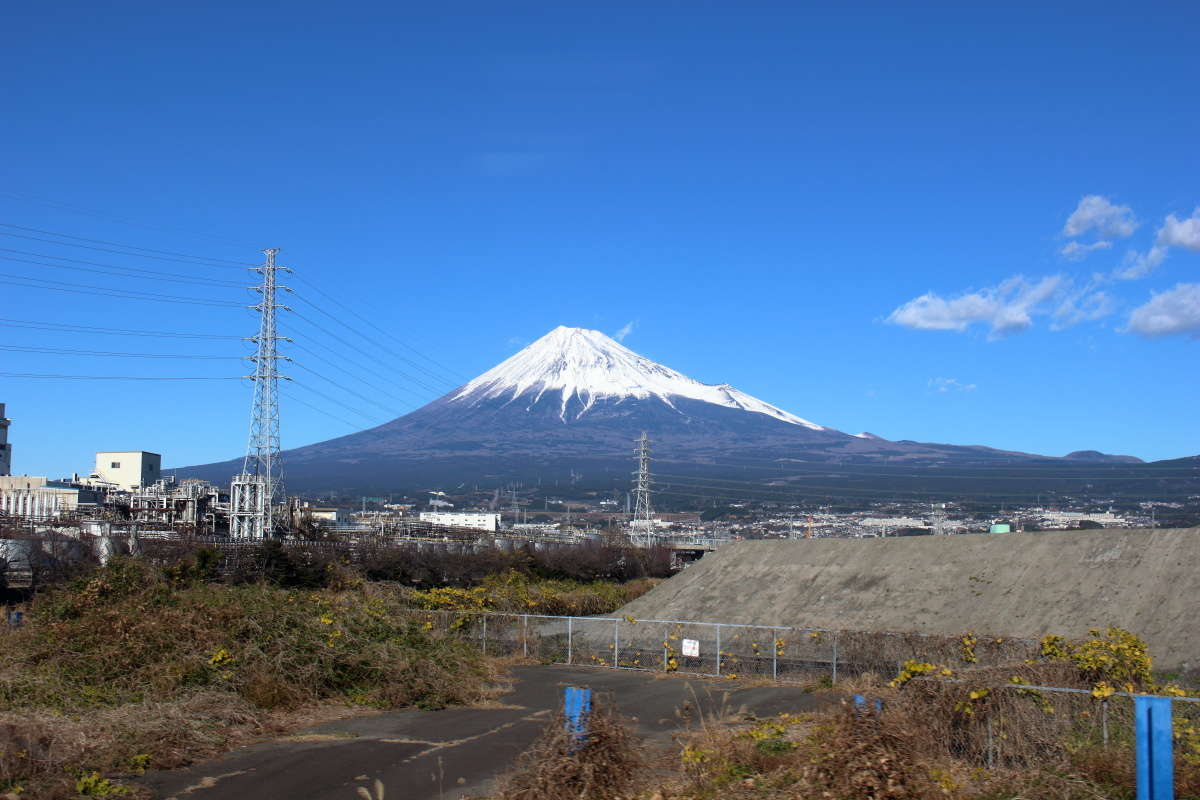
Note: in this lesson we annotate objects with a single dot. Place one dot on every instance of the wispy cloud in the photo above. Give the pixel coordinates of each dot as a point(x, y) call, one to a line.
point(1100, 215)
point(1005, 309)
point(1168, 313)
point(1138, 265)
point(944, 385)
point(625, 331)
point(1074, 251)
point(1184, 233)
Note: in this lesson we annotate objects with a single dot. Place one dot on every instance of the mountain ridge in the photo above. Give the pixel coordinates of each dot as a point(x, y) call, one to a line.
point(573, 401)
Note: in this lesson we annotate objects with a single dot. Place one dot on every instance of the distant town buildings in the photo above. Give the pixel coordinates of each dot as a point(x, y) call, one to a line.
point(483, 522)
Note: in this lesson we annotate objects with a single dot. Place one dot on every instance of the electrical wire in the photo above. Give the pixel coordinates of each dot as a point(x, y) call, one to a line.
point(192, 259)
point(337, 403)
point(455, 377)
point(356, 376)
point(354, 348)
point(58, 326)
point(344, 389)
point(116, 269)
point(119, 377)
point(374, 342)
point(82, 288)
point(69, 352)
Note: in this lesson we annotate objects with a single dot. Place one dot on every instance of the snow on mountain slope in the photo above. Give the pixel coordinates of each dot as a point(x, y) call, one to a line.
point(590, 366)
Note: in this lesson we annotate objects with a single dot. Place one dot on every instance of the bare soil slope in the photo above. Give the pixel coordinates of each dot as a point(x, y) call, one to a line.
point(1023, 584)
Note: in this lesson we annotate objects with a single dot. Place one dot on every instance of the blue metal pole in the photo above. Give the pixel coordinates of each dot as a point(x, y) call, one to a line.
point(1155, 760)
point(577, 705)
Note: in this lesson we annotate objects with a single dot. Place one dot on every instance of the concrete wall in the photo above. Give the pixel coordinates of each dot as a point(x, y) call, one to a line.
point(1017, 584)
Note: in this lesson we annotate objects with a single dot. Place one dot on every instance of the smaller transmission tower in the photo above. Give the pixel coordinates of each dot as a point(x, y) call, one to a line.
point(643, 525)
point(256, 491)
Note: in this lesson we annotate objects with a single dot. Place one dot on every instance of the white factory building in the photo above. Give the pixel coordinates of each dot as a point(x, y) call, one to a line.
point(128, 469)
point(483, 522)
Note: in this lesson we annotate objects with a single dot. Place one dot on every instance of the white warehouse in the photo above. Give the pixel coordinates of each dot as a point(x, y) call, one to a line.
point(483, 522)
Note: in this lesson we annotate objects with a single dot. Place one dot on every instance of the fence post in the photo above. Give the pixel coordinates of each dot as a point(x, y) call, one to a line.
point(616, 641)
point(1104, 720)
point(718, 649)
point(569, 620)
point(991, 760)
point(525, 635)
point(774, 655)
point(485, 635)
point(833, 679)
point(1155, 761)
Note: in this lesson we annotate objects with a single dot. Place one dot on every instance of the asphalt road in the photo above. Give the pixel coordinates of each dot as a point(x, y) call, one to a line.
point(444, 755)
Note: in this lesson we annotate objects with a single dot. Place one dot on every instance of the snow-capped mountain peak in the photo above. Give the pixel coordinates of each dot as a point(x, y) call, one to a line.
point(586, 364)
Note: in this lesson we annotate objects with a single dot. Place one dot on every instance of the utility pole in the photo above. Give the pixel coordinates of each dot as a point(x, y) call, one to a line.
point(256, 490)
point(642, 513)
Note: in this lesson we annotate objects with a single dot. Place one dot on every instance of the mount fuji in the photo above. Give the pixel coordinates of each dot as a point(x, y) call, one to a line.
point(571, 404)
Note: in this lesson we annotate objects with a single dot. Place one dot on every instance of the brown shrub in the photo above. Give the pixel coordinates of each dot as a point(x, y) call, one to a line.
point(556, 767)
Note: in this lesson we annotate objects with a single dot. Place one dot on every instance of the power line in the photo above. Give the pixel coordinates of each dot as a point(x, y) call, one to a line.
point(216, 261)
point(344, 389)
point(455, 376)
point(366, 368)
point(119, 377)
point(83, 288)
point(116, 269)
point(59, 326)
point(102, 215)
point(337, 402)
point(356, 376)
point(353, 347)
point(66, 351)
point(323, 412)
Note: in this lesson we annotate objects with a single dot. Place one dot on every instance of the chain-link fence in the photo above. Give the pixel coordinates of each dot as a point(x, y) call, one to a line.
point(708, 648)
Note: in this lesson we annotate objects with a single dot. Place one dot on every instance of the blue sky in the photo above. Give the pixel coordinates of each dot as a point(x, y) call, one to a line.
point(939, 222)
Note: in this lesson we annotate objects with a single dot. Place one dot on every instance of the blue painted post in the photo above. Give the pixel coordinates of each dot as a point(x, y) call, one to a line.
point(577, 705)
point(1155, 761)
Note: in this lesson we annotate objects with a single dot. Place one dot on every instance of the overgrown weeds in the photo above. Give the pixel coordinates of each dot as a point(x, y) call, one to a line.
point(604, 765)
point(135, 662)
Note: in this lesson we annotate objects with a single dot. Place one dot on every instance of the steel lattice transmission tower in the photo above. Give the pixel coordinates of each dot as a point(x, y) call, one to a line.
point(642, 523)
point(257, 490)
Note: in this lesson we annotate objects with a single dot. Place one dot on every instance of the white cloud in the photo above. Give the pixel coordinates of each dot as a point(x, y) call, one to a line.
point(1183, 233)
point(1168, 313)
point(1138, 265)
point(1083, 305)
point(1075, 251)
point(625, 331)
point(943, 385)
point(1096, 213)
point(1006, 308)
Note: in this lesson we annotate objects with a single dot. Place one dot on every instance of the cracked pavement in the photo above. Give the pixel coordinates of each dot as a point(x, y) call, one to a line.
point(456, 752)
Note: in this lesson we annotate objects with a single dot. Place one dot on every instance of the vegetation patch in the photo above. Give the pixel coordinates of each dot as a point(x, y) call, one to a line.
point(130, 667)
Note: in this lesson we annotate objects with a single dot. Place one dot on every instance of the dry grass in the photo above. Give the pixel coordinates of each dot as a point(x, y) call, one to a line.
point(605, 767)
point(130, 668)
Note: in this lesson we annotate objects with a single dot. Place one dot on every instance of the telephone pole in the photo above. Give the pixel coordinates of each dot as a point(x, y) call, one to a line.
point(260, 485)
point(642, 513)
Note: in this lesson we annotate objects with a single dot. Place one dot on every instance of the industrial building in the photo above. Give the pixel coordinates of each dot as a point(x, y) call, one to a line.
point(39, 498)
point(188, 502)
point(483, 522)
point(128, 469)
point(5, 447)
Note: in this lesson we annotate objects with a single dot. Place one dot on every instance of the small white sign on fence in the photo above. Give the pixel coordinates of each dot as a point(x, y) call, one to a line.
point(691, 648)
